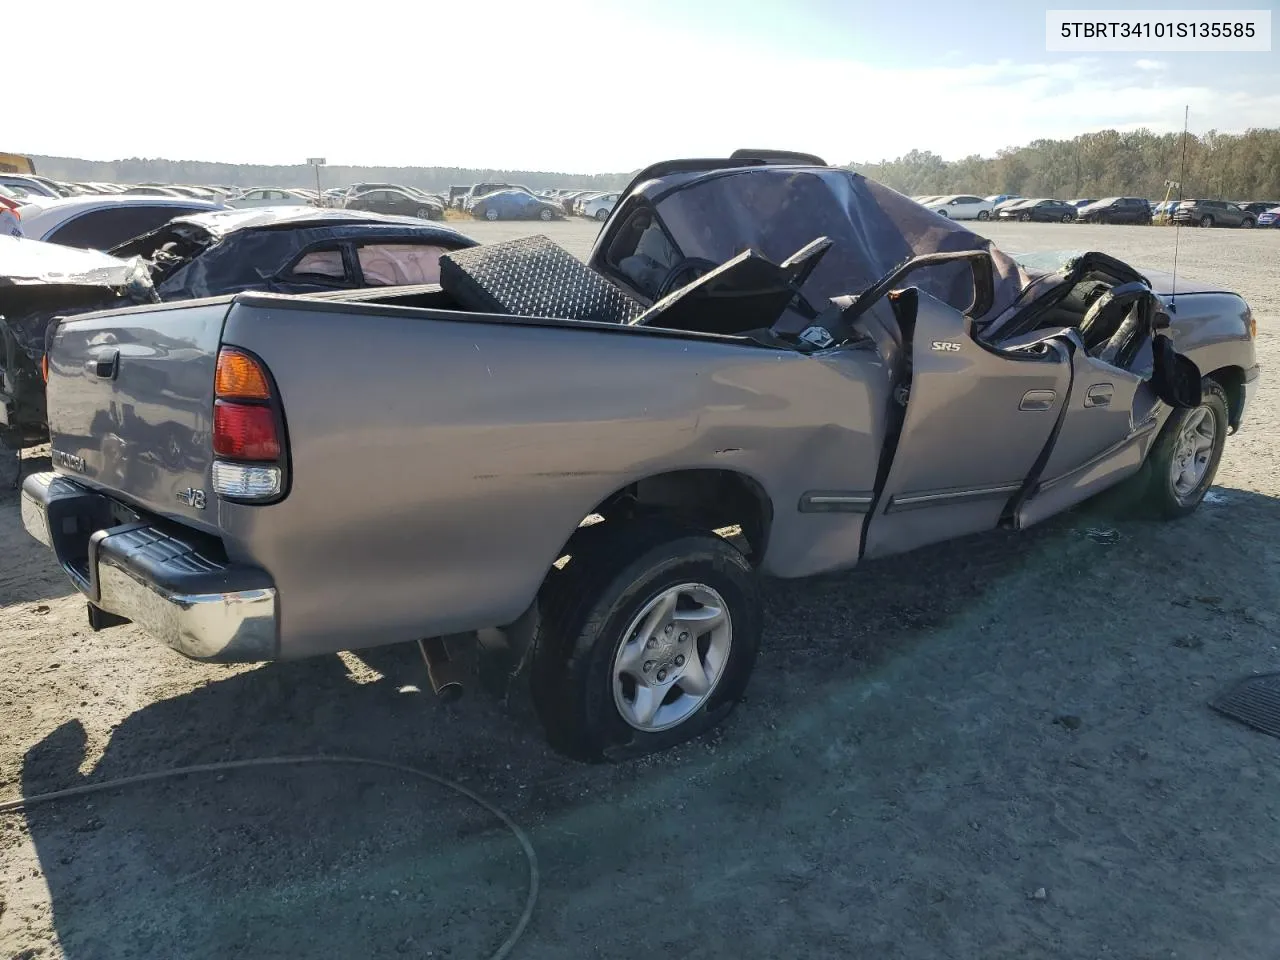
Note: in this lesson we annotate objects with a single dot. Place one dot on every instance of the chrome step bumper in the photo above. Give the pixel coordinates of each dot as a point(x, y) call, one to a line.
point(175, 588)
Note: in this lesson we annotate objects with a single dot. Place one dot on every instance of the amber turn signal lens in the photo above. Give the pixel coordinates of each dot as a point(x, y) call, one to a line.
point(239, 375)
point(44, 367)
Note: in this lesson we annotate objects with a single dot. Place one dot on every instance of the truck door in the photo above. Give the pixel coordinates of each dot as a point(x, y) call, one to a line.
point(977, 421)
point(1111, 418)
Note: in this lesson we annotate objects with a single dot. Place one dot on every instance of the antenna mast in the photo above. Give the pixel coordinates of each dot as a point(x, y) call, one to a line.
point(1177, 224)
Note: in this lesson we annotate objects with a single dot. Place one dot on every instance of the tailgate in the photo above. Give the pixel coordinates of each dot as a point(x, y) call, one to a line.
point(130, 400)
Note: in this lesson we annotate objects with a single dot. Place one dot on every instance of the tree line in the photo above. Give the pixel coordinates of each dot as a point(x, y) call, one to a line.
point(434, 179)
point(1108, 163)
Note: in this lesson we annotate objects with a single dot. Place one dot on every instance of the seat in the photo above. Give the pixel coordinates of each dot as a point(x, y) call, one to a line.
point(747, 293)
point(1108, 313)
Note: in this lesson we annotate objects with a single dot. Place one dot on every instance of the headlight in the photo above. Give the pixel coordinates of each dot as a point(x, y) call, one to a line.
point(1252, 321)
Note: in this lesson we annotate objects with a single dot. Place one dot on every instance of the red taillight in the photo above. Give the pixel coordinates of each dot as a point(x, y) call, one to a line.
point(248, 431)
point(245, 431)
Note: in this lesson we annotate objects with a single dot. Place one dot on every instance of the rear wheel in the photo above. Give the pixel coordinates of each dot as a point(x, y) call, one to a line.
point(491, 214)
point(941, 213)
point(602, 214)
point(544, 215)
point(1185, 457)
point(984, 215)
point(1068, 217)
point(1247, 223)
point(646, 639)
point(424, 213)
point(1024, 217)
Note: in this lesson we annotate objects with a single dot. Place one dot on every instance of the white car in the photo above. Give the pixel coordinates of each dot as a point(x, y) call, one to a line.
point(961, 206)
point(268, 197)
point(102, 222)
point(600, 207)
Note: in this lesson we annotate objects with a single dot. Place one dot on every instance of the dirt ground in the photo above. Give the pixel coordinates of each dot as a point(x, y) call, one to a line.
point(928, 742)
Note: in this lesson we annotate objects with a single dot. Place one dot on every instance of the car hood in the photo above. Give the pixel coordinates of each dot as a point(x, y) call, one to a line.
point(34, 262)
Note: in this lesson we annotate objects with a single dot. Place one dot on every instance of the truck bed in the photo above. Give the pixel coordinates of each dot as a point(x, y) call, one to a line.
point(439, 460)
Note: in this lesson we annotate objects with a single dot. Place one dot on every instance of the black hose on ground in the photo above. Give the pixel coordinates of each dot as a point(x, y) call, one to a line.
point(504, 950)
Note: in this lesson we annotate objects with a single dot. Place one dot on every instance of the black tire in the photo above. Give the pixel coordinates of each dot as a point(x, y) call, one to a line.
point(584, 610)
point(984, 215)
point(1247, 223)
point(1159, 495)
point(1206, 221)
point(424, 213)
point(1068, 218)
point(602, 214)
point(943, 213)
point(545, 215)
point(1024, 217)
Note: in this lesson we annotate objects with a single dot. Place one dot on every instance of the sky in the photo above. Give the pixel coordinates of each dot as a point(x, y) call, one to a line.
point(588, 86)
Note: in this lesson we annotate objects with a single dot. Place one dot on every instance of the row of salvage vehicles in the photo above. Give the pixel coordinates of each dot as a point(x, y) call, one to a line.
point(587, 467)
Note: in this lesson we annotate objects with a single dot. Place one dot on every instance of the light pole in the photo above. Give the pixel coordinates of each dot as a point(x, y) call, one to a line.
point(318, 162)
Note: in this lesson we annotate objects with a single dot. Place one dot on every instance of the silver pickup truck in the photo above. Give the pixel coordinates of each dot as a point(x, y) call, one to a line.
point(768, 367)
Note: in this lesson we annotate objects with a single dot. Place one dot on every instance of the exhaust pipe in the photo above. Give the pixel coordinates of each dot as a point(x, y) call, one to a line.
point(444, 672)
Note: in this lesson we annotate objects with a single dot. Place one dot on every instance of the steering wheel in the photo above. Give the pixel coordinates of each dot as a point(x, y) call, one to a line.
point(677, 273)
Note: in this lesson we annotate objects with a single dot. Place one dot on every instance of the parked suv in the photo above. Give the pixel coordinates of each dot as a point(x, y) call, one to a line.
point(1259, 207)
point(1214, 213)
point(1116, 210)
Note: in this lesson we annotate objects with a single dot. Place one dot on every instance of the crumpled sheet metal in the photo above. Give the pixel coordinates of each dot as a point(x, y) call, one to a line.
point(40, 281)
point(24, 261)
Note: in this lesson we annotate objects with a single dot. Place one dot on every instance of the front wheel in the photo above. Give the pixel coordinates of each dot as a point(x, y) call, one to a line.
point(1068, 217)
point(942, 213)
point(1206, 221)
point(984, 215)
point(1185, 457)
point(544, 215)
point(1024, 217)
point(424, 213)
point(602, 214)
point(646, 639)
point(1247, 224)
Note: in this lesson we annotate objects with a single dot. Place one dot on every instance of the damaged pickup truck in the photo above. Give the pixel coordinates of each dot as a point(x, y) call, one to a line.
point(769, 367)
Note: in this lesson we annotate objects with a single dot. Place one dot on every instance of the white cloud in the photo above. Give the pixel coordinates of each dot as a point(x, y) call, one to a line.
point(581, 88)
point(1150, 65)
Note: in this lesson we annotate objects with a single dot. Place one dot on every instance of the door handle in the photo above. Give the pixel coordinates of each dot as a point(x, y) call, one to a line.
point(1099, 395)
point(1038, 400)
point(106, 364)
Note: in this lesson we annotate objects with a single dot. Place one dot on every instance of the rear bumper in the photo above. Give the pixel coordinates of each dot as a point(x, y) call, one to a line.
point(175, 586)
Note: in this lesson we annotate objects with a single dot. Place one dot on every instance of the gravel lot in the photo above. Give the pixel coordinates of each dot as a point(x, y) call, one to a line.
point(928, 743)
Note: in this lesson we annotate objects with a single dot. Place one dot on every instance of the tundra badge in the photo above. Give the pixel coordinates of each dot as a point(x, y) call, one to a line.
point(946, 345)
point(68, 460)
point(192, 497)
